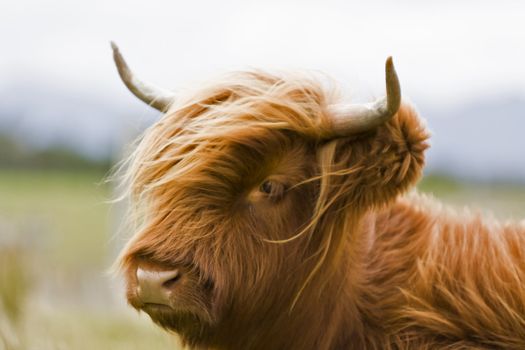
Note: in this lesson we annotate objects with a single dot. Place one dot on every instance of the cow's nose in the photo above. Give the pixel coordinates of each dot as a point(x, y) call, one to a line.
point(156, 286)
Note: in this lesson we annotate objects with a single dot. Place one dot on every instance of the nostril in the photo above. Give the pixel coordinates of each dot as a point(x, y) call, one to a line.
point(156, 286)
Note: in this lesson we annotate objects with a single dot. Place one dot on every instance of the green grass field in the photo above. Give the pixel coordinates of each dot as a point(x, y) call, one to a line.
point(57, 243)
point(61, 229)
point(505, 201)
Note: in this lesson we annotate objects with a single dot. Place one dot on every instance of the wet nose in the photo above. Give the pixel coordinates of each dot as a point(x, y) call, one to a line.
point(156, 286)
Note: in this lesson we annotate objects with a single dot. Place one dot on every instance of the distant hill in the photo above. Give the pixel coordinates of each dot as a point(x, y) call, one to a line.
point(482, 139)
point(17, 155)
point(93, 123)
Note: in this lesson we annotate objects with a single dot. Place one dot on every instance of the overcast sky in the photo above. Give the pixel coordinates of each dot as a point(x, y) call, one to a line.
point(445, 51)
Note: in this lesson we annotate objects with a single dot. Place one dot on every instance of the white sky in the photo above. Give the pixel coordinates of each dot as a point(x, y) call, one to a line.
point(444, 52)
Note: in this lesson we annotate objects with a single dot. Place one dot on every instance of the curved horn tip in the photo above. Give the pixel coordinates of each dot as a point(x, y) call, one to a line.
point(393, 87)
point(350, 119)
point(390, 70)
point(389, 62)
point(117, 56)
point(154, 96)
point(122, 66)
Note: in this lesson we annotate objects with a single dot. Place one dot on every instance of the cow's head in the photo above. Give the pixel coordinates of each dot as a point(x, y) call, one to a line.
point(247, 195)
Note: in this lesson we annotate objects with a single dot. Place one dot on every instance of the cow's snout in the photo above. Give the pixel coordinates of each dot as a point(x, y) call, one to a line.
point(156, 286)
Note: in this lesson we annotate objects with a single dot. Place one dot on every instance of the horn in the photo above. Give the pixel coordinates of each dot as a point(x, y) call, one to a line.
point(154, 96)
point(349, 119)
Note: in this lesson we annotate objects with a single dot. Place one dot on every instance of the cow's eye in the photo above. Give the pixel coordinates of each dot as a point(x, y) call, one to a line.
point(272, 189)
point(266, 187)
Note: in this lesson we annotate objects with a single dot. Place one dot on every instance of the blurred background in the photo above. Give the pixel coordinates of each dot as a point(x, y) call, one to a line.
point(65, 119)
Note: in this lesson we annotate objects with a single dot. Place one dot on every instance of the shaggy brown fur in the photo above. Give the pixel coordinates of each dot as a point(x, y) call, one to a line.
point(328, 254)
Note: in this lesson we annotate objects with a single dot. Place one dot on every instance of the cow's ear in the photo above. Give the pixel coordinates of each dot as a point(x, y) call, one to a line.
point(383, 163)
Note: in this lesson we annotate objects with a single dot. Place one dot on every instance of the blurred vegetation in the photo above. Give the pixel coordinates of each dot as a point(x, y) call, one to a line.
point(56, 247)
point(19, 155)
point(504, 200)
point(57, 242)
point(56, 234)
point(14, 281)
point(14, 288)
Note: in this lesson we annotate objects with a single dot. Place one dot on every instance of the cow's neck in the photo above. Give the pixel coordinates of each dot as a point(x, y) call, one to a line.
point(327, 318)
